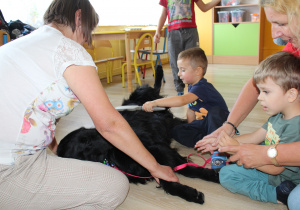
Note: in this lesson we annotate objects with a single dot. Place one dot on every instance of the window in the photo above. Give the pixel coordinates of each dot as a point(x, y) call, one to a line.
point(111, 12)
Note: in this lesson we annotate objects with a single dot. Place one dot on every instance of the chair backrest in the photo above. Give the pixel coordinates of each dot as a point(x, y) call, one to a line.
point(103, 44)
point(145, 41)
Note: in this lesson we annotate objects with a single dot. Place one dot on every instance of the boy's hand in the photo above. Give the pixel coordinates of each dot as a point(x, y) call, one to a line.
point(225, 140)
point(156, 38)
point(206, 145)
point(225, 127)
point(148, 106)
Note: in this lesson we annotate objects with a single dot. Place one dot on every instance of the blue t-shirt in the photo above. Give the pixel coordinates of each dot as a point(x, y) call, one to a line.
point(208, 97)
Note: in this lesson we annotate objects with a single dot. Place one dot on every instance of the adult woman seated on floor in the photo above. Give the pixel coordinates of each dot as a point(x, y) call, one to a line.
point(285, 19)
point(44, 75)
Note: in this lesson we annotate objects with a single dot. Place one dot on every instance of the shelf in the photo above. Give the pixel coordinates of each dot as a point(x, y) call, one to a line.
point(235, 22)
point(237, 42)
point(239, 5)
point(247, 8)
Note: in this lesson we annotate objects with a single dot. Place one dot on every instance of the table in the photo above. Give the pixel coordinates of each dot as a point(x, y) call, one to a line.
point(123, 35)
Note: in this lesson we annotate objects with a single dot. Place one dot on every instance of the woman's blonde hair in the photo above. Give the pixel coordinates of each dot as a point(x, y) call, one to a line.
point(289, 7)
point(283, 68)
point(63, 12)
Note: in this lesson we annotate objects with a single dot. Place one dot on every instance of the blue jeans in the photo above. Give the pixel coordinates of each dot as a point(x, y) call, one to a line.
point(248, 182)
point(294, 199)
point(190, 133)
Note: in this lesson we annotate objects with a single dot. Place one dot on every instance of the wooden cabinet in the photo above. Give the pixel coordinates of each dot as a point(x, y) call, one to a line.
point(238, 41)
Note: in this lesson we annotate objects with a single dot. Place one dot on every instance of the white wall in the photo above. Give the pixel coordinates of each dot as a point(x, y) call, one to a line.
point(111, 12)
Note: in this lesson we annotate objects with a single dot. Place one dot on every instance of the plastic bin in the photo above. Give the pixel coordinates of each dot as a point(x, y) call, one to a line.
point(224, 16)
point(230, 2)
point(255, 17)
point(237, 16)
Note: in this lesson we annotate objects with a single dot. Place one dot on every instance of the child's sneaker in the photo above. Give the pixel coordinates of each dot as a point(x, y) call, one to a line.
point(283, 190)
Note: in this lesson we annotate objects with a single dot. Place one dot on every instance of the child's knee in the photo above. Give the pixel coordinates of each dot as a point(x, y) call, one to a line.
point(224, 174)
point(227, 176)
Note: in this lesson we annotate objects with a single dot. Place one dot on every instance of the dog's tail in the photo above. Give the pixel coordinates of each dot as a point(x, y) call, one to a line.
point(159, 73)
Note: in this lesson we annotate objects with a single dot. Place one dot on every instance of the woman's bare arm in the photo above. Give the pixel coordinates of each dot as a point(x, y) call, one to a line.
point(254, 156)
point(85, 83)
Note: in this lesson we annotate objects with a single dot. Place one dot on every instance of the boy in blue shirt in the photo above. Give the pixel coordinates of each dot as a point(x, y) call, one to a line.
point(207, 108)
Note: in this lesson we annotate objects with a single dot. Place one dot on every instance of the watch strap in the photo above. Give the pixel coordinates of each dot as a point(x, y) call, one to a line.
point(273, 160)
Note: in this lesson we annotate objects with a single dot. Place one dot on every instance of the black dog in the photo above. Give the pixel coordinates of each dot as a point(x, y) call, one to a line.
point(154, 130)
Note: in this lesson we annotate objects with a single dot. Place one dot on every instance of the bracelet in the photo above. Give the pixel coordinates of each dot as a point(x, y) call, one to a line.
point(237, 132)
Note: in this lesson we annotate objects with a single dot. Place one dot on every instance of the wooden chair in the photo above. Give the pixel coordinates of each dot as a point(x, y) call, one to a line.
point(4, 37)
point(156, 52)
point(145, 41)
point(108, 60)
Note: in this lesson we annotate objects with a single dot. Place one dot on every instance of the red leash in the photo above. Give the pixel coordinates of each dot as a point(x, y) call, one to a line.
point(141, 177)
point(177, 168)
point(182, 166)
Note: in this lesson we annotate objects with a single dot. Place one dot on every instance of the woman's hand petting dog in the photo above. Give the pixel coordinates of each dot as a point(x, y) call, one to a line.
point(168, 170)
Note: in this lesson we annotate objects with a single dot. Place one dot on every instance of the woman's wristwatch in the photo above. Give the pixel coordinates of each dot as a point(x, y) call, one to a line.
point(272, 153)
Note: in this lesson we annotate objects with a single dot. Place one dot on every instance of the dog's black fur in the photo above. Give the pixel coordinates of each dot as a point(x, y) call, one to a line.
point(154, 130)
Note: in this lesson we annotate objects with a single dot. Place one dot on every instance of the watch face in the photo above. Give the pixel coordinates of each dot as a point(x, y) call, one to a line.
point(272, 152)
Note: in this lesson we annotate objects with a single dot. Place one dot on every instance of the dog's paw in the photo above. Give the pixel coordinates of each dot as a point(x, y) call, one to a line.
point(199, 198)
point(196, 197)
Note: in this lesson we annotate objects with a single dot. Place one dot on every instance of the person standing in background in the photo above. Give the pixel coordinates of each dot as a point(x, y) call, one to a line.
point(182, 30)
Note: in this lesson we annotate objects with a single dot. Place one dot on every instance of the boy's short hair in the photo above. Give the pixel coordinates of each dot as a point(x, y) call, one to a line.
point(196, 56)
point(283, 68)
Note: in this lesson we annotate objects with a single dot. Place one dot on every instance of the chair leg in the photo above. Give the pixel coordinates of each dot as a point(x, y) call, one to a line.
point(111, 70)
point(144, 73)
point(137, 75)
point(98, 71)
point(107, 71)
point(123, 74)
point(153, 69)
point(143, 69)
